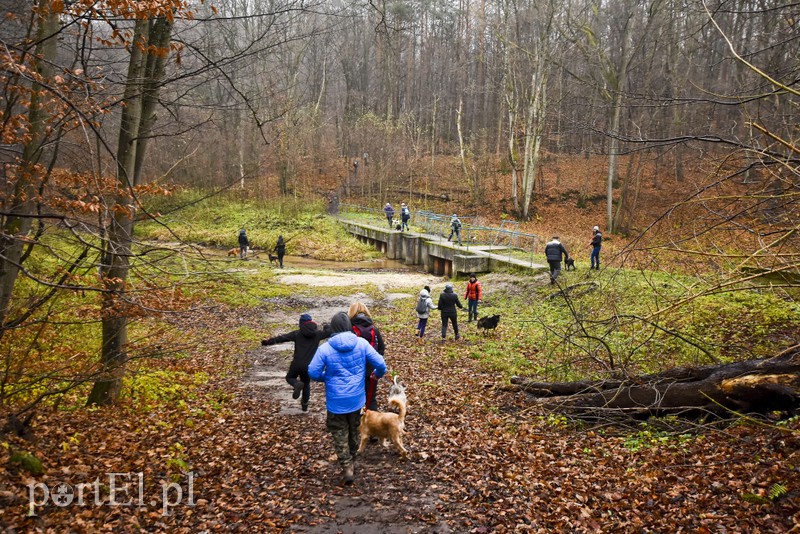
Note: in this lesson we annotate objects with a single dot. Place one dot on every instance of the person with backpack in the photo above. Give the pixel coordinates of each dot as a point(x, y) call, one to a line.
point(473, 294)
point(244, 243)
point(597, 242)
point(405, 216)
point(388, 210)
point(455, 228)
point(340, 364)
point(306, 341)
point(424, 307)
point(363, 326)
point(448, 302)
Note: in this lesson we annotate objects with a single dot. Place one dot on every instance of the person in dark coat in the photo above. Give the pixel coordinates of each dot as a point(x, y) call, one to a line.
point(244, 243)
point(448, 302)
point(306, 341)
point(388, 210)
point(340, 364)
point(364, 326)
point(280, 249)
point(597, 241)
point(554, 250)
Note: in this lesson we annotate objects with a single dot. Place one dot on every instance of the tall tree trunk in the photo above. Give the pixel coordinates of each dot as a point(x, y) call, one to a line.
point(145, 71)
point(17, 225)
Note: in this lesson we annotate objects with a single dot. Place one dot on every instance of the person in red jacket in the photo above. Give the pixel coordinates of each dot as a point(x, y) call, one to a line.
point(473, 294)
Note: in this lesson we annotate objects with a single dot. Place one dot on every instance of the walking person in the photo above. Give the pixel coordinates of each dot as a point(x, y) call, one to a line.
point(424, 307)
point(306, 341)
point(473, 294)
point(244, 243)
point(448, 302)
point(405, 216)
point(455, 228)
point(388, 210)
point(597, 242)
point(554, 250)
point(341, 364)
point(364, 326)
point(280, 249)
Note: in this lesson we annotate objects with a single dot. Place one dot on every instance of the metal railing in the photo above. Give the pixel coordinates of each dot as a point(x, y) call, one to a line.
point(503, 240)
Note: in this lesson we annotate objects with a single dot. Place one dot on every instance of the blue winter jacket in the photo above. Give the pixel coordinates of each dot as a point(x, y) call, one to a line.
point(341, 364)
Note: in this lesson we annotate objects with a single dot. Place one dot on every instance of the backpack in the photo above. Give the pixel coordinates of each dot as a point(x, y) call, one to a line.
point(367, 332)
point(422, 305)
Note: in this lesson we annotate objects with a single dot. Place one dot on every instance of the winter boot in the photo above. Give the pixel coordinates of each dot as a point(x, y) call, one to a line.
point(298, 389)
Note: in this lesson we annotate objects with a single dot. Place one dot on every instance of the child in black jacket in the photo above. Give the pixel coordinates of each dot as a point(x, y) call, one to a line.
point(306, 341)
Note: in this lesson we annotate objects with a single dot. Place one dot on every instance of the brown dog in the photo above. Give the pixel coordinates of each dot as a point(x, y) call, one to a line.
point(233, 252)
point(386, 425)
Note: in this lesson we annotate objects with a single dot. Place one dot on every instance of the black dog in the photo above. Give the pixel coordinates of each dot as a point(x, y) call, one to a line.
point(488, 323)
point(273, 259)
point(569, 262)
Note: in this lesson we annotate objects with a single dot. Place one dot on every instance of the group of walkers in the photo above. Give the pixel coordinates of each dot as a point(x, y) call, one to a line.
point(349, 365)
point(405, 216)
point(352, 360)
point(554, 250)
point(244, 246)
point(448, 306)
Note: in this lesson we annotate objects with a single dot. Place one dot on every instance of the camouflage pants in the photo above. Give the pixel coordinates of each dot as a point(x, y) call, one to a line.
point(344, 430)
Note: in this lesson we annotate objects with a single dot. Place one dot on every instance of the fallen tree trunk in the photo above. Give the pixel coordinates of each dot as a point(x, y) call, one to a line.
point(752, 386)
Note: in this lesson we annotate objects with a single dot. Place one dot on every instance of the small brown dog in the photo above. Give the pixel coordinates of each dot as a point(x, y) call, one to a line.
point(233, 252)
point(386, 425)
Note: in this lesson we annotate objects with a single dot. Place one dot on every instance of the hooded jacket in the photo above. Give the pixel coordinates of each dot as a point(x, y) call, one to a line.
point(554, 249)
point(341, 364)
point(448, 301)
point(365, 322)
point(306, 340)
point(474, 290)
point(428, 301)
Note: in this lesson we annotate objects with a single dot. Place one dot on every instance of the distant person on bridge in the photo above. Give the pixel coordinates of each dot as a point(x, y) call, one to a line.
point(405, 216)
point(554, 250)
point(455, 228)
point(388, 210)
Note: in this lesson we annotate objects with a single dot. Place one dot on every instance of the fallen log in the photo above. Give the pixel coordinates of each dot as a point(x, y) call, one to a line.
point(751, 386)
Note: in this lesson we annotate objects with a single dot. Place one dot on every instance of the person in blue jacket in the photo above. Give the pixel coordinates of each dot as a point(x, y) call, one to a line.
point(341, 364)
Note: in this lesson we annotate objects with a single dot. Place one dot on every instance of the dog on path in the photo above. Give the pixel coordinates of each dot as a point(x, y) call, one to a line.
point(386, 425)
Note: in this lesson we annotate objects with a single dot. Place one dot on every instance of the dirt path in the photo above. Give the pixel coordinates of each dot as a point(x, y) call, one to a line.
point(383, 500)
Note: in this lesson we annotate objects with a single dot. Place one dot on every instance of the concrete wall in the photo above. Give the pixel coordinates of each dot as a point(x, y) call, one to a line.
point(435, 256)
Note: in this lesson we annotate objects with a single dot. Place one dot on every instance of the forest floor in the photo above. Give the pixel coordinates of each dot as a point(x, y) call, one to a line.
point(242, 456)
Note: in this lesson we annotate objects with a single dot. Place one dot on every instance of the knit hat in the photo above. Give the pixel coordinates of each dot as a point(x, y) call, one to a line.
point(472, 275)
point(448, 286)
point(341, 323)
point(596, 228)
point(305, 318)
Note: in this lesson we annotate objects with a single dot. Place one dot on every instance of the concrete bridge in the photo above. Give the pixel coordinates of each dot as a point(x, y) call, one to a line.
point(437, 255)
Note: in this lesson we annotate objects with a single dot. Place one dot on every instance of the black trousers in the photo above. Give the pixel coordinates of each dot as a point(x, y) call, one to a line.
point(300, 370)
point(453, 319)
